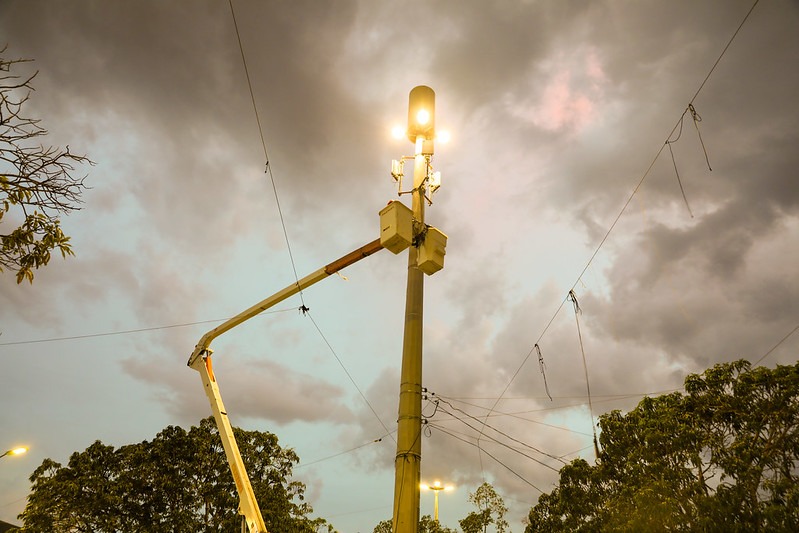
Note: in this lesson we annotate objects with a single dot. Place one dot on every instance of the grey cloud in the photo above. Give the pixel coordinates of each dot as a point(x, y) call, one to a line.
point(262, 390)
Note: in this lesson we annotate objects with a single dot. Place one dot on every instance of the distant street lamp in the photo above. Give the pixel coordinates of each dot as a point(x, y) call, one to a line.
point(436, 487)
point(15, 451)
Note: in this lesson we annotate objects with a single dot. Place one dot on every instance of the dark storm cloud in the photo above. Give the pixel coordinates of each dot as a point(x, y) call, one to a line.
point(172, 77)
point(561, 107)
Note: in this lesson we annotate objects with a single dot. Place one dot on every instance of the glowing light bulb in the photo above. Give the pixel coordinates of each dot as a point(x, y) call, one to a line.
point(423, 116)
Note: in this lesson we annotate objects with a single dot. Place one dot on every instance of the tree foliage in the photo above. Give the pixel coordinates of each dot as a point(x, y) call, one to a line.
point(724, 456)
point(491, 509)
point(426, 525)
point(178, 482)
point(36, 182)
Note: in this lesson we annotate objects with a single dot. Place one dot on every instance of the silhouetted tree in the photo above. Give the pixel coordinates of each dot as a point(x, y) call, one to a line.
point(178, 482)
point(490, 510)
point(36, 183)
point(724, 456)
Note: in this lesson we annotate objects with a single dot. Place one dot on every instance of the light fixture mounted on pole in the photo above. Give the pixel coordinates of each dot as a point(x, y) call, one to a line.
point(436, 487)
point(15, 451)
point(426, 256)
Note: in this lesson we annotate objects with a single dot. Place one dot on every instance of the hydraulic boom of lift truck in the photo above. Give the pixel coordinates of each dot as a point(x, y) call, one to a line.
point(200, 361)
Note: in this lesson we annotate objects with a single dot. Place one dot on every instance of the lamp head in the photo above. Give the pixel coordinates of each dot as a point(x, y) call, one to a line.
point(421, 113)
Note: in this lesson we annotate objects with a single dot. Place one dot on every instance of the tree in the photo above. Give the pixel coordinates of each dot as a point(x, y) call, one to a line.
point(426, 525)
point(179, 482)
point(384, 526)
point(724, 456)
point(36, 183)
point(490, 510)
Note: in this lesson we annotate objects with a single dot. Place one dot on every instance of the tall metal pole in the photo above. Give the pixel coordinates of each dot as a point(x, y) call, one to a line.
point(409, 424)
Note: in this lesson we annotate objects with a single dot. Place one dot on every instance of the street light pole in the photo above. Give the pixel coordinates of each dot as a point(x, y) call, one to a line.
point(407, 463)
point(436, 488)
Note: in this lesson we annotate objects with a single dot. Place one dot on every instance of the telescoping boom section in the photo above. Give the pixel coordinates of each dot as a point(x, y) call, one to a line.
point(200, 361)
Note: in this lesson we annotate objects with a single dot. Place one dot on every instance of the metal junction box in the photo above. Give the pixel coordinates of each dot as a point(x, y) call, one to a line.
point(431, 253)
point(396, 227)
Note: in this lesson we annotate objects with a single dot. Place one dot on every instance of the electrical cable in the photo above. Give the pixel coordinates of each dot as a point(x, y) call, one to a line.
point(268, 167)
point(499, 431)
point(307, 312)
point(128, 331)
point(374, 441)
point(785, 338)
point(677, 172)
point(447, 432)
point(402, 476)
point(626, 205)
point(516, 416)
point(609, 396)
point(577, 312)
point(542, 368)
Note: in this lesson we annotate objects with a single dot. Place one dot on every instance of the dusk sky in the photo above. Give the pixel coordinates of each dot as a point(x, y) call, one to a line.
point(557, 177)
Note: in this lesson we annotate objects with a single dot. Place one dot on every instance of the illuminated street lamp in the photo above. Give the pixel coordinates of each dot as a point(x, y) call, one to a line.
point(436, 487)
point(15, 451)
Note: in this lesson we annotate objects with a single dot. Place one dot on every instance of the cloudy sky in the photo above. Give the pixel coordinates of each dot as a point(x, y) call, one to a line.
point(559, 113)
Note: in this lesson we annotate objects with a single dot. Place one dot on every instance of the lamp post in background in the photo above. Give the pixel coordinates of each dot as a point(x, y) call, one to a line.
point(15, 451)
point(436, 487)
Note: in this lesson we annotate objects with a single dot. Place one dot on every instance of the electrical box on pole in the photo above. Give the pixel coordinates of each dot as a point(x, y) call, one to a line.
point(431, 252)
point(396, 227)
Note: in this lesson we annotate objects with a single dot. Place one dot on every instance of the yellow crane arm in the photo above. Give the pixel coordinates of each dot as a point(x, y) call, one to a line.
point(200, 360)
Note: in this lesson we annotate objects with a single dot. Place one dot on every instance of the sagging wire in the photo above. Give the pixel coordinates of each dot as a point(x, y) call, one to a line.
point(373, 441)
point(129, 331)
point(538, 422)
point(307, 312)
point(697, 119)
point(404, 455)
point(529, 446)
point(627, 202)
point(426, 418)
point(267, 166)
point(541, 368)
point(669, 142)
point(512, 471)
point(794, 330)
point(577, 312)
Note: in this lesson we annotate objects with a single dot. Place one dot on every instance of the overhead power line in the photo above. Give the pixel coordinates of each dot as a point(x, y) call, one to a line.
point(307, 312)
point(626, 204)
point(129, 331)
point(315, 461)
point(267, 167)
point(497, 441)
point(785, 338)
point(512, 471)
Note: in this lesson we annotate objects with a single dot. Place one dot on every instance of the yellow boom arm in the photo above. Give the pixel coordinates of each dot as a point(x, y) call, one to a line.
point(200, 361)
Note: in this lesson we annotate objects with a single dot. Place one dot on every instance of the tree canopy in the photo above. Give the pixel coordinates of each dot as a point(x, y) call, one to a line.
point(426, 525)
point(36, 182)
point(178, 482)
point(723, 456)
point(491, 509)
